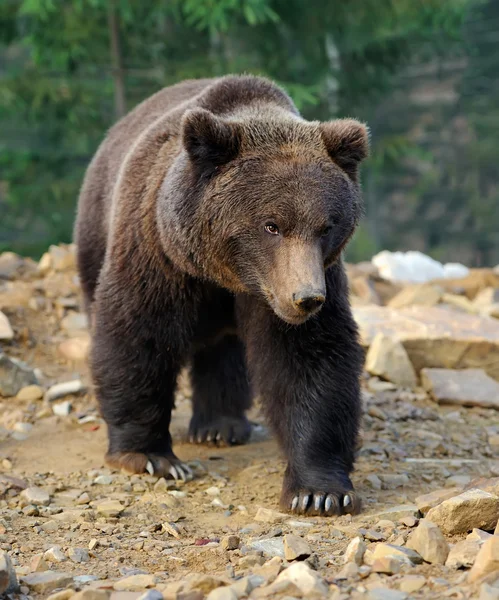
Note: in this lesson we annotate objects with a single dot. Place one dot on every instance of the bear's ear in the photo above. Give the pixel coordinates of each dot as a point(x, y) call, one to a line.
point(209, 140)
point(347, 143)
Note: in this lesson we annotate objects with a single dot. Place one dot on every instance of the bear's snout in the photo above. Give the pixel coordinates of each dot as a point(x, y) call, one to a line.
point(309, 301)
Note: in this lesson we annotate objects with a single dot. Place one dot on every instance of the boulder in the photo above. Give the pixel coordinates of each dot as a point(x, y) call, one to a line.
point(468, 387)
point(434, 337)
point(423, 294)
point(388, 359)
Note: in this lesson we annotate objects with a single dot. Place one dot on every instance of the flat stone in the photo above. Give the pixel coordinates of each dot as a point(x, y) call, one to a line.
point(296, 548)
point(427, 501)
point(8, 578)
point(463, 554)
point(135, 583)
point(266, 515)
point(151, 595)
point(355, 551)
point(387, 565)
point(462, 513)
point(406, 555)
point(14, 375)
point(396, 512)
point(428, 541)
point(388, 359)
point(391, 481)
point(469, 387)
point(30, 393)
point(59, 390)
point(91, 594)
point(411, 583)
point(487, 560)
point(269, 546)
point(35, 495)
point(6, 331)
point(486, 484)
point(309, 582)
point(45, 582)
point(62, 595)
point(222, 593)
point(78, 555)
point(383, 593)
point(74, 322)
point(110, 508)
point(424, 294)
point(434, 337)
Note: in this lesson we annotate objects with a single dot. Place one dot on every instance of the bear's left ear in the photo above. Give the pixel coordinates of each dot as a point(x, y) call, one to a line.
point(347, 143)
point(209, 140)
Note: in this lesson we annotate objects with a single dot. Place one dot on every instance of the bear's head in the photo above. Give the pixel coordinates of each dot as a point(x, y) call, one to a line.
point(264, 203)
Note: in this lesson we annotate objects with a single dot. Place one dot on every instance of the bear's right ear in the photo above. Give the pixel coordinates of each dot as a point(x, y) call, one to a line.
point(347, 143)
point(209, 140)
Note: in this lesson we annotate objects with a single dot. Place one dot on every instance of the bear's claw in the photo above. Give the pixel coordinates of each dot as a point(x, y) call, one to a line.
point(322, 504)
point(154, 464)
point(230, 431)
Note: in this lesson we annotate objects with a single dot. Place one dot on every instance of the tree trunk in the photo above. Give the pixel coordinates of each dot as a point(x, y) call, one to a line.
point(116, 61)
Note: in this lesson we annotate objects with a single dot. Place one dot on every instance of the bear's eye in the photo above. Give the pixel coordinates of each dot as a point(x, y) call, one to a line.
point(326, 231)
point(272, 228)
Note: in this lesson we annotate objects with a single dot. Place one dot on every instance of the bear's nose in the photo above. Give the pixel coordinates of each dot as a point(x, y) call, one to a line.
point(309, 301)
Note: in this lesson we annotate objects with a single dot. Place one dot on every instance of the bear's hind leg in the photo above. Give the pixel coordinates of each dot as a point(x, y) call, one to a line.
point(221, 394)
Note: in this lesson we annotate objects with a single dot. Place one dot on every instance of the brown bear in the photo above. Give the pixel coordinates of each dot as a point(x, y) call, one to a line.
point(210, 231)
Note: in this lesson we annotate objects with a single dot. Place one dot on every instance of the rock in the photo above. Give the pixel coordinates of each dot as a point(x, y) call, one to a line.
point(477, 535)
point(55, 554)
point(309, 582)
point(411, 583)
point(58, 258)
point(110, 508)
point(355, 551)
point(230, 542)
point(428, 541)
point(396, 512)
point(222, 593)
point(420, 294)
point(469, 387)
point(76, 348)
point(382, 593)
point(427, 501)
point(462, 513)
point(78, 555)
point(74, 322)
point(374, 480)
point(59, 390)
point(270, 570)
point(486, 297)
point(488, 592)
point(434, 337)
point(244, 586)
point(296, 548)
point(206, 583)
point(62, 595)
point(151, 595)
point(409, 521)
point(10, 265)
point(38, 564)
point(387, 565)
point(8, 579)
point(388, 359)
point(135, 583)
point(14, 375)
point(91, 595)
point(45, 582)
point(463, 554)
point(362, 287)
point(6, 331)
point(391, 481)
point(30, 393)
point(266, 515)
point(62, 409)
point(400, 553)
point(35, 495)
point(269, 546)
point(487, 560)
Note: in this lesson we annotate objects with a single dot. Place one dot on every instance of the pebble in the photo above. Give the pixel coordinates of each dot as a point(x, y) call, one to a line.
point(427, 501)
point(59, 390)
point(355, 551)
point(244, 586)
point(222, 593)
point(62, 409)
point(411, 583)
point(296, 548)
point(266, 515)
point(35, 495)
point(6, 331)
point(110, 508)
point(400, 553)
point(230, 542)
point(29, 393)
point(45, 582)
point(62, 595)
point(307, 581)
point(55, 554)
point(374, 480)
point(428, 541)
point(91, 595)
point(135, 583)
point(460, 514)
point(383, 593)
point(8, 578)
point(463, 554)
point(78, 555)
point(387, 565)
point(103, 480)
point(487, 560)
point(151, 595)
point(478, 535)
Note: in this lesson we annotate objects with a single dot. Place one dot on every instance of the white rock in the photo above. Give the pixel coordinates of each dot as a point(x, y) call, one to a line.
point(222, 593)
point(59, 390)
point(62, 409)
point(429, 542)
point(296, 548)
point(35, 495)
point(6, 331)
point(309, 582)
point(355, 551)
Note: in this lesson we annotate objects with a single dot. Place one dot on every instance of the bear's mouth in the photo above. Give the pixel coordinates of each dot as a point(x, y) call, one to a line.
point(291, 316)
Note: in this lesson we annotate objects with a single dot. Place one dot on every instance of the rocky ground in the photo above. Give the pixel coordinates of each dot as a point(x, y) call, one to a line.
point(428, 468)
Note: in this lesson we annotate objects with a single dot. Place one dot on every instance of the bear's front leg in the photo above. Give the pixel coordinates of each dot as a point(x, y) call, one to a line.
point(137, 352)
point(309, 379)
